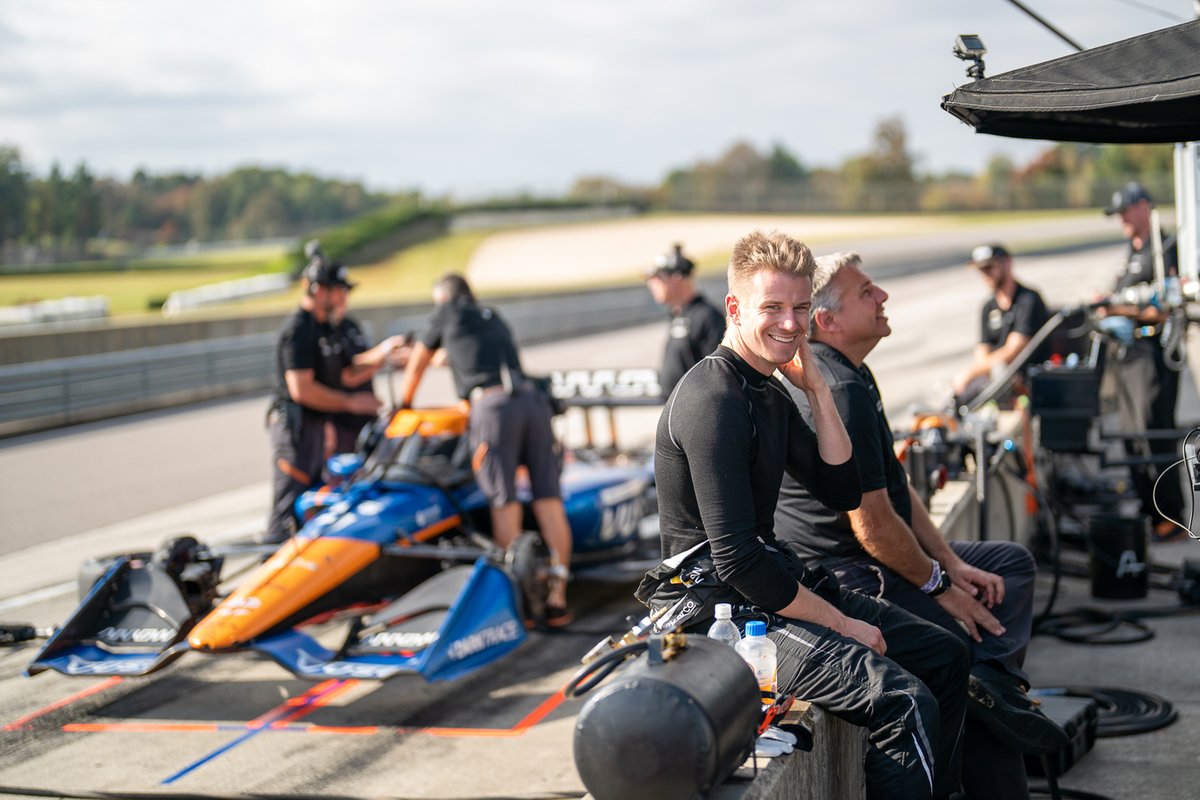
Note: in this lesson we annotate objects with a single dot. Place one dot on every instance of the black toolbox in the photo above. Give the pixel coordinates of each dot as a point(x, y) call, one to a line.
point(1077, 716)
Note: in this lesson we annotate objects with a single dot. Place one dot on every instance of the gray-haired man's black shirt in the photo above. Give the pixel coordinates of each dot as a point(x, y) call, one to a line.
point(813, 530)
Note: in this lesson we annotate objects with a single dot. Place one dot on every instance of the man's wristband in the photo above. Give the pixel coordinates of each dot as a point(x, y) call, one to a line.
point(939, 580)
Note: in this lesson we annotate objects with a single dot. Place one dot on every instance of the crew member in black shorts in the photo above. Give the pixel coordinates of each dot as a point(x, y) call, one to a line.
point(510, 422)
point(696, 324)
point(890, 548)
point(301, 400)
point(1010, 318)
point(724, 440)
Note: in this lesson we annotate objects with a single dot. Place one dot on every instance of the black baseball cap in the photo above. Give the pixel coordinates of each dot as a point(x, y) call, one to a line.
point(674, 262)
point(328, 273)
point(1132, 194)
point(986, 253)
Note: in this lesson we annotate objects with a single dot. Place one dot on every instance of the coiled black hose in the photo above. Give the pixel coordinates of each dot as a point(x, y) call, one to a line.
point(1120, 712)
point(1079, 794)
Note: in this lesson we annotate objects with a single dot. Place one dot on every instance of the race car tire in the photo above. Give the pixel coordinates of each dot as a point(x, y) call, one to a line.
point(176, 553)
point(172, 556)
point(528, 562)
point(93, 569)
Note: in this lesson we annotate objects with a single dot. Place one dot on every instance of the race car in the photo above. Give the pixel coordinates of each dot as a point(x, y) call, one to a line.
point(396, 551)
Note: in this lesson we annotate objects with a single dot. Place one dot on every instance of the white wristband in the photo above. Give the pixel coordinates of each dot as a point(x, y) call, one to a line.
point(934, 578)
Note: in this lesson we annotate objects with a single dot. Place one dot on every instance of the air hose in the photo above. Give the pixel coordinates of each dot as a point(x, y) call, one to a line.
point(1120, 712)
point(592, 673)
point(15, 634)
point(1079, 794)
point(1092, 625)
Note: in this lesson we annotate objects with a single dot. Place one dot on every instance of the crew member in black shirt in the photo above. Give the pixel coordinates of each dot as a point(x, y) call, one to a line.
point(1010, 318)
point(300, 401)
point(696, 324)
point(510, 422)
point(1147, 384)
point(350, 363)
point(724, 440)
point(890, 548)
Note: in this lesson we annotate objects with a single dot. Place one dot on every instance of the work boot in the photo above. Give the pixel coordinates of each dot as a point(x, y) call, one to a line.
point(998, 700)
point(1166, 531)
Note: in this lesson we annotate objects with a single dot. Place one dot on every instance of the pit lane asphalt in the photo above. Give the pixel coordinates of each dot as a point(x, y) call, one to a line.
point(242, 725)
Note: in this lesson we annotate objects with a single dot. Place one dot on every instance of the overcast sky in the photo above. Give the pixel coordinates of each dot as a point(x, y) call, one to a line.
point(472, 97)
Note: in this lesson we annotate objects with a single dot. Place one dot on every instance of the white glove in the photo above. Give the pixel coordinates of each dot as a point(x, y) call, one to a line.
point(770, 748)
point(779, 735)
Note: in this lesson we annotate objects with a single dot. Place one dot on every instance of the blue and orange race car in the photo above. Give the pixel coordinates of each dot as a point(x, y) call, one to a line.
point(395, 557)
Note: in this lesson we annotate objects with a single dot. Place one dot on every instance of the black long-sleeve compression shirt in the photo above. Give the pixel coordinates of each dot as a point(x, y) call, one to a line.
point(724, 440)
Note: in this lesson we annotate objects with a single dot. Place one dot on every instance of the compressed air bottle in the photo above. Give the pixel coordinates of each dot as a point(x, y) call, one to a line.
point(759, 652)
point(724, 629)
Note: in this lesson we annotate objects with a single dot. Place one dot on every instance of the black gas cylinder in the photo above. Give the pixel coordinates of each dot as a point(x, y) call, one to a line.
point(669, 730)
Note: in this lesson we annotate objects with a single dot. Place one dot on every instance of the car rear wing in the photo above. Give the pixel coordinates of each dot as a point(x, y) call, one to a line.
point(609, 389)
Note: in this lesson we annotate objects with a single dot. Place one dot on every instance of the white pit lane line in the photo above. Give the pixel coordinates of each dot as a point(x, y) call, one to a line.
point(32, 598)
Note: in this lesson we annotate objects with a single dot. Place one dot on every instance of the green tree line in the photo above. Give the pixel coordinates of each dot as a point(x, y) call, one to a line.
point(888, 178)
point(56, 216)
point(61, 213)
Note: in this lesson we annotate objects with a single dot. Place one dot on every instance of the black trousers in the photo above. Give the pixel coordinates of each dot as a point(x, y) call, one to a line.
point(297, 453)
point(990, 770)
point(911, 700)
point(1147, 392)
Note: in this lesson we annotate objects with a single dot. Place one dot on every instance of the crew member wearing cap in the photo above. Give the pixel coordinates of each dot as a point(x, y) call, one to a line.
point(697, 326)
point(300, 401)
point(1147, 386)
point(510, 423)
point(1010, 318)
point(350, 363)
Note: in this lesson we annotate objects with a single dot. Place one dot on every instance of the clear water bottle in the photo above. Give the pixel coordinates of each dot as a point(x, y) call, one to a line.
point(1173, 292)
point(759, 652)
point(724, 629)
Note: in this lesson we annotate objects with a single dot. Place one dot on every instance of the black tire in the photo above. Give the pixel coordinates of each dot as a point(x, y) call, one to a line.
point(528, 562)
point(176, 553)
point(172, 556)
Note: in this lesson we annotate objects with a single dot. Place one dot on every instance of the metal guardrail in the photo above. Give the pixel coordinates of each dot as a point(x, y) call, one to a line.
point(65, 391)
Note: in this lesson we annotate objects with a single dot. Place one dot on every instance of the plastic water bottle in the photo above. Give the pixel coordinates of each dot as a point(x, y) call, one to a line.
point(759, 652)
point(724, 629)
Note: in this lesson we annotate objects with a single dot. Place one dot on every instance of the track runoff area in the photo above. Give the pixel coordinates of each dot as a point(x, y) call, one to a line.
point(241, 725)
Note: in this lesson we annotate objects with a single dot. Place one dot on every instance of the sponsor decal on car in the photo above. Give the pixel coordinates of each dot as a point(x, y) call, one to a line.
point(427, 516)
point(136, 635)
point(124, 666)
point(307, 665)
point(400, 640)
point(467, 646)
point(620, 522)
point(623, 384)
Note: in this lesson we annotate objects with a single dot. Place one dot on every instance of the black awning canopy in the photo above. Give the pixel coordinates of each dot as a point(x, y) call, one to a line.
point(1143, 89)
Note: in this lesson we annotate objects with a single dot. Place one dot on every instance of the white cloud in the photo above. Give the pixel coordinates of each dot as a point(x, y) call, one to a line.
point(473, 95)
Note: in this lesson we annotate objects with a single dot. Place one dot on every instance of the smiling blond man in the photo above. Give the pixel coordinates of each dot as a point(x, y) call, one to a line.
point(728, 432)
